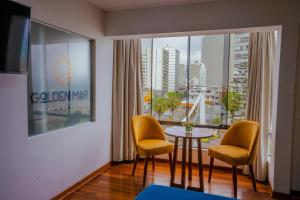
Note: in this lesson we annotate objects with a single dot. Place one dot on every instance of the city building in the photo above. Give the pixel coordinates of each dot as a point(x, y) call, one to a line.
point(173, 65)
point(146, 68)
point(238, 74)
point(180, 77)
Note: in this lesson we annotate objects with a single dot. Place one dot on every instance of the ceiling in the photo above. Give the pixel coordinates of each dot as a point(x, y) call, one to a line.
point(112, 5)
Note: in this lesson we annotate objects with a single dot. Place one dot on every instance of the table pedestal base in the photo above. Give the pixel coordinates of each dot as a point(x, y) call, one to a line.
point(195, 188)
point(200, 166)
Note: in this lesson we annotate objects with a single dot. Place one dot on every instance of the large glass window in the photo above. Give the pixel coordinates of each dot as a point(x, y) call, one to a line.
point(59, 79)
point(169, 58)
point(201, 79)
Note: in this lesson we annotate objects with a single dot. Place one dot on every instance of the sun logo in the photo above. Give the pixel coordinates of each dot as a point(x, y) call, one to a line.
point(63, 71)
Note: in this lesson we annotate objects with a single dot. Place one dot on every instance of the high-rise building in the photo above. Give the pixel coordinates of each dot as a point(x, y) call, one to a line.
point(174, 56)
point(238, 66)
point(146, 68)
point(180, 76)
point(214, 55)
point(166, 69)
point(160, 69)
point(194, 75)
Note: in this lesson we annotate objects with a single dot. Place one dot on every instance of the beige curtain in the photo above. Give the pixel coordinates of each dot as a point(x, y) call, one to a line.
point(127, 96)
point(261, 62)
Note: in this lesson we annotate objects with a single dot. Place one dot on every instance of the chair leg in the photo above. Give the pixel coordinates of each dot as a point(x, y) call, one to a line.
point(135, 163)
point(252, 177)
point(210, 168)
point(234, 179)
point(145, 170)
point(170, 161)
point(153, 162)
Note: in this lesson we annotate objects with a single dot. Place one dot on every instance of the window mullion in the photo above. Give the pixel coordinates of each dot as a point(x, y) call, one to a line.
point(151, 77)
point(188, 78)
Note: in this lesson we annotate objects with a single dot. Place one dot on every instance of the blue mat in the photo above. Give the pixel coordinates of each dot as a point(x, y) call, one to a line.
point(157, 192)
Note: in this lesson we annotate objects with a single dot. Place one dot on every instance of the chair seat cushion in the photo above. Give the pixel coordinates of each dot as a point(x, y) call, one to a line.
point(151, 147)
point(157, 192)
point(229, 154)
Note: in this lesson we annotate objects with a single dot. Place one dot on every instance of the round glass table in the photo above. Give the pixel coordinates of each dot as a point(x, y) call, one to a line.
point(179, 133)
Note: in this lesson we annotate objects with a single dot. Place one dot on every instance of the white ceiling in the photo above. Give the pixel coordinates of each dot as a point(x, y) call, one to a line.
point(111, 5)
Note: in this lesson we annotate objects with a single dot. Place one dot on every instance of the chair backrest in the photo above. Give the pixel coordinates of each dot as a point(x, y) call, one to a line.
point(243, 134)
point(146, 127)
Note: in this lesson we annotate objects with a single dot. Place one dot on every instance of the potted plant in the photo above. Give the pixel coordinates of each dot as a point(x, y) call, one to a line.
point(188, 127)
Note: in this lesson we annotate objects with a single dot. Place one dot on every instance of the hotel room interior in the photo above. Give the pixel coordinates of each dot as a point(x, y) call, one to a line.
point(149, 99)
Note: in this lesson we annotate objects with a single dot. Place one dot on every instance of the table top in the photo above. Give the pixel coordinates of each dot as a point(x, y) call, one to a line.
point(179, 131)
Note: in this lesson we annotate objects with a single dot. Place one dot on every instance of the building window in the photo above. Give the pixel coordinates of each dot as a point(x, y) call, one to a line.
point(201, 79)
point(59, 81)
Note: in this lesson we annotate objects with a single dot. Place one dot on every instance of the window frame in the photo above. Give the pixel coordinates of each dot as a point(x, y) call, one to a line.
point(187, 91)
point(92, 79)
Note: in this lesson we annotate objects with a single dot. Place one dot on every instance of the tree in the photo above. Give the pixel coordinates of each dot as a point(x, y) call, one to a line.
point(216, 121)
point(233, 102)
point(147, 97)
point(159, 105)
point(173, 100)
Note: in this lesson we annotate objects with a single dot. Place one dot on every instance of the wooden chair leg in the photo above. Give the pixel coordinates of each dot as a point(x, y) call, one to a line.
point(170, 161)
point(174, 161)
point(210, 168)
point(145, 170)
point(252, 177)
point(135, 163)
point(234, 179)
point(153, 162)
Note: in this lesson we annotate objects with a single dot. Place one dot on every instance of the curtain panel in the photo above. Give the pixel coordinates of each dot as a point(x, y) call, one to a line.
point(127, 96)
point(261, 62)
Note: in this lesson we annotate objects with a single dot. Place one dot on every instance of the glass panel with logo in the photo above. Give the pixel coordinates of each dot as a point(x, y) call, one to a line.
point(59, 80)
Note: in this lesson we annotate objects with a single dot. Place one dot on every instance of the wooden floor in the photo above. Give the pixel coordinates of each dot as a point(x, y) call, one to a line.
point(117, 183)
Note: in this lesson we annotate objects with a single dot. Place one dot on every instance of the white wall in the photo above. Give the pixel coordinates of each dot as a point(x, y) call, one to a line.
point(40, 167)
point(233, 14)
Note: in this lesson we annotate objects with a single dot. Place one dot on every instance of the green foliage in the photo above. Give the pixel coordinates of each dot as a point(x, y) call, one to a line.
point(233, 102)
point(188, 126)
point(160, 105)
point(207, 140)
point(216, 121)
point(173, 100)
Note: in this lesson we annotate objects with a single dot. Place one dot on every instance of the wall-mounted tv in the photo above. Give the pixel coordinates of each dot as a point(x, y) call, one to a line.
point(14, 37)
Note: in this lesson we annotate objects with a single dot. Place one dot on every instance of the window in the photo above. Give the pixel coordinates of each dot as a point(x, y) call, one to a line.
point(201, 79)
point(59, 80)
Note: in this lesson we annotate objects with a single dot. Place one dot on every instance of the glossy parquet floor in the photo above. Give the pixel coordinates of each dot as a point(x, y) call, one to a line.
point(116, 183)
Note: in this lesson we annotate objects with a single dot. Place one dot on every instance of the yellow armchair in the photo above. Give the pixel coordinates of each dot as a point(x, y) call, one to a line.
point(149, 141)
point(237, 148)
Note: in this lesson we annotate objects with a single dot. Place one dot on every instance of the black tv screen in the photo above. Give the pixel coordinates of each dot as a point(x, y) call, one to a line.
point(14, 37)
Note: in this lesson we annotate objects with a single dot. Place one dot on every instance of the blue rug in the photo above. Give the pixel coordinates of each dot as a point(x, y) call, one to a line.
point(157, 192)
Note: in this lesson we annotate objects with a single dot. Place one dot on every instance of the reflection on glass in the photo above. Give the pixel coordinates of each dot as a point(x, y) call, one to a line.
point(60, 83)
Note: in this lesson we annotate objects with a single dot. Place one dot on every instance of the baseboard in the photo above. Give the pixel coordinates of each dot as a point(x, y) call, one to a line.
point(279, 195)
point(83, 181)
point(293, 195)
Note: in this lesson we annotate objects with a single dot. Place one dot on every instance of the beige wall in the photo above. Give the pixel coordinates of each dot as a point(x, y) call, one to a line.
point(42, 166)
point(296, 138)
point(233, 14)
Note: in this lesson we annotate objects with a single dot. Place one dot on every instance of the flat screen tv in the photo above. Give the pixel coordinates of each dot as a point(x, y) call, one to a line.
point(14, 37)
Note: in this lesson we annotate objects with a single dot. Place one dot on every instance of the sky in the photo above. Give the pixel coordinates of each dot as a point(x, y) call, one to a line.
point(179, 43)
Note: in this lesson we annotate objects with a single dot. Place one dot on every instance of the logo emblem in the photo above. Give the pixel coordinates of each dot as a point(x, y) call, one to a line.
point(63, 71)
